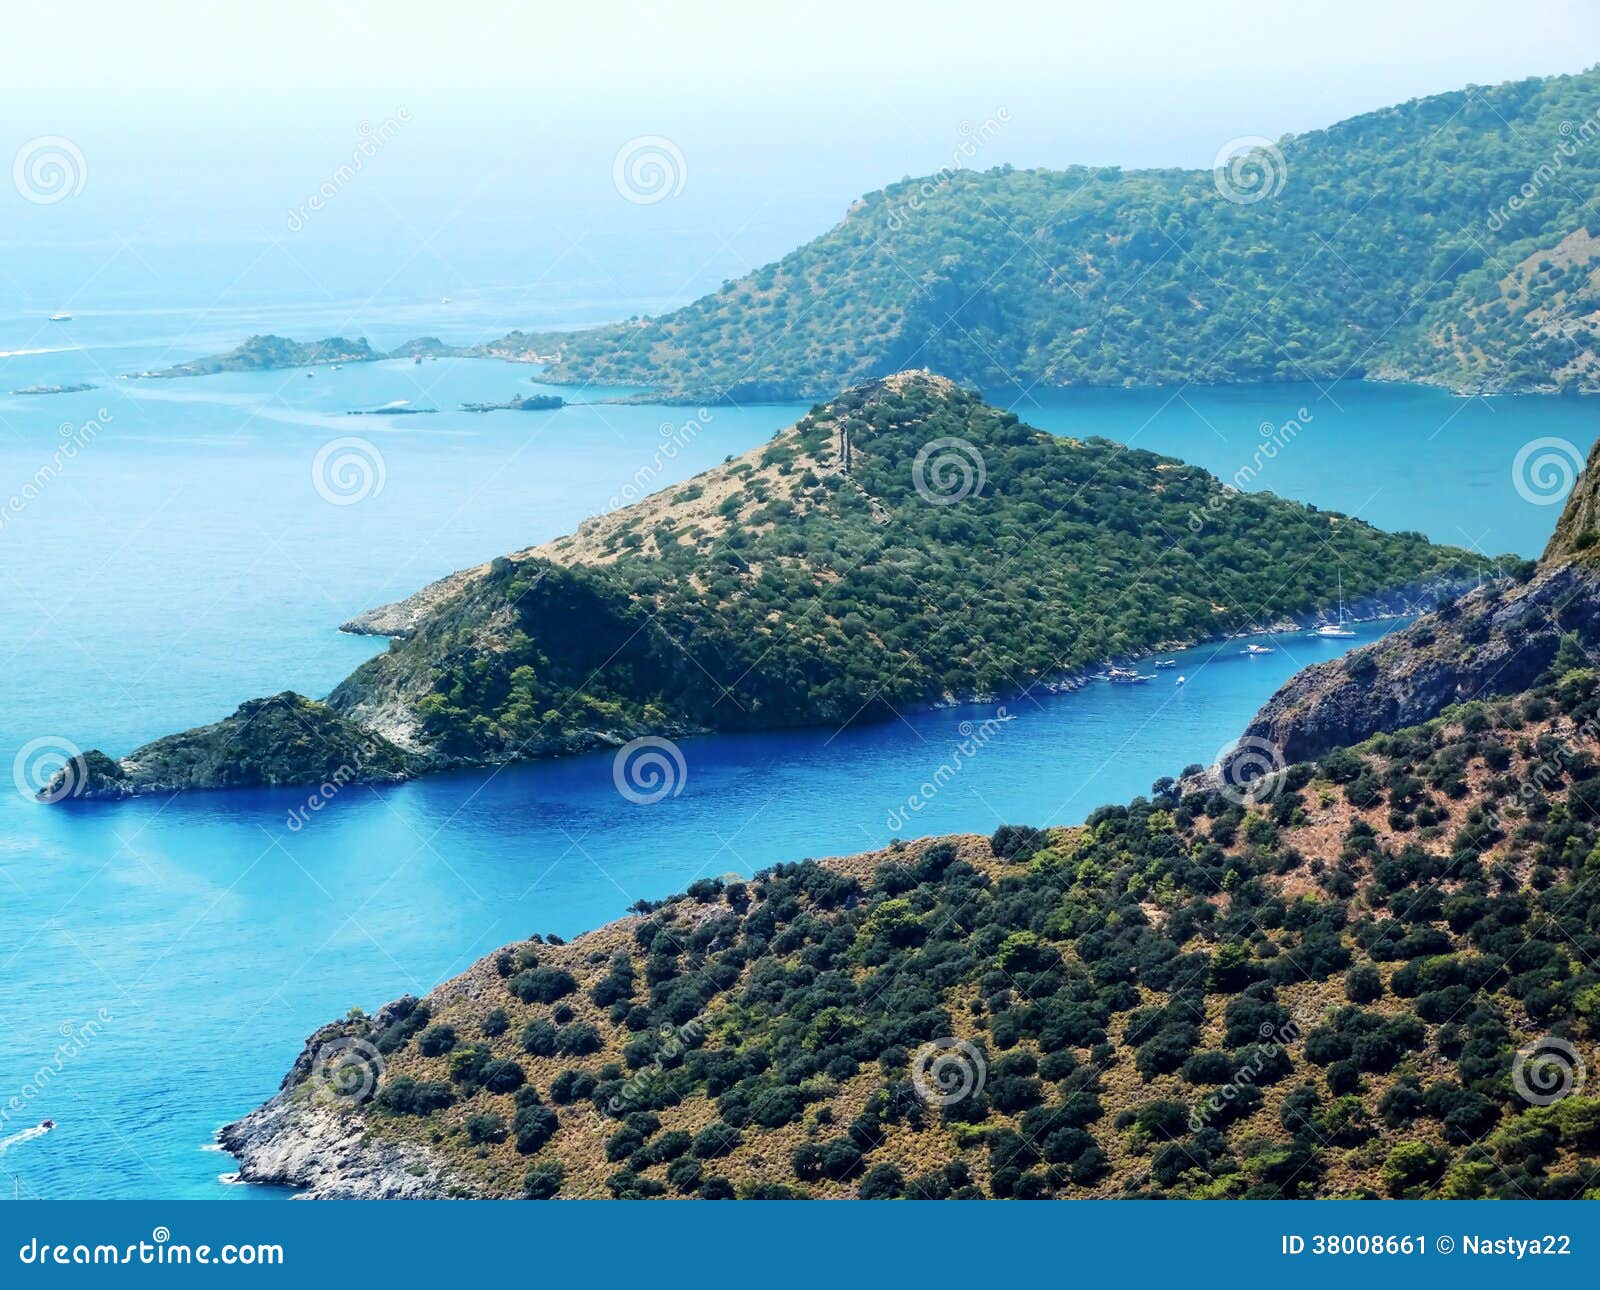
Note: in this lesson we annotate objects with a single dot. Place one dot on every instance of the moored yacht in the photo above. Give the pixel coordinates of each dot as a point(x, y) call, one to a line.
point(1336, 629)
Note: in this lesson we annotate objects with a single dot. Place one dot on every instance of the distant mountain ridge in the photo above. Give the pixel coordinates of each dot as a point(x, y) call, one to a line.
point(1449, 240)
point(1445, 240)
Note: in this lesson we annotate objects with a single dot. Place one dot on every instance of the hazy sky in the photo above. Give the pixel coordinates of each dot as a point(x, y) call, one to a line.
point(206, 125)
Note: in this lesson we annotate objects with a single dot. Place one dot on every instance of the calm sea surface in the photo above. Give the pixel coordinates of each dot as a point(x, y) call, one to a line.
point(184, 560)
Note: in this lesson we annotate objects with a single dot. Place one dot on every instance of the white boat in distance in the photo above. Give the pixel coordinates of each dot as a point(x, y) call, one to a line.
point(1126, 676)
point(1253, 650)
point(1335, 630)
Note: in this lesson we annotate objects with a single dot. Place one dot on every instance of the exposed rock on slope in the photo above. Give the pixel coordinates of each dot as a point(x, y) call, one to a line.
point(1493, 641)
point(312, 1134)
point(286, 739)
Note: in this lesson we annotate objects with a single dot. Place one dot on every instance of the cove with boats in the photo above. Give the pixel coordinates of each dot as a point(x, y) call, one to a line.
point(211, 936)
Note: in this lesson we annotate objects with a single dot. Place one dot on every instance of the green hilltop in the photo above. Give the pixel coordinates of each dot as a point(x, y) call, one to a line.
point(1442, 240)
point(905, 545)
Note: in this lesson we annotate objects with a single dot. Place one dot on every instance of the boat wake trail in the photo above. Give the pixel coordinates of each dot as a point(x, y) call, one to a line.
point(38, 1131)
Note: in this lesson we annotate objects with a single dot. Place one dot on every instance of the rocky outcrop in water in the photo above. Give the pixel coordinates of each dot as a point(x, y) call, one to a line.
point(285, 739)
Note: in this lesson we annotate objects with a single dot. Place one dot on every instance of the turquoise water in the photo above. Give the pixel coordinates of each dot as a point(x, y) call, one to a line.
point(184, 560)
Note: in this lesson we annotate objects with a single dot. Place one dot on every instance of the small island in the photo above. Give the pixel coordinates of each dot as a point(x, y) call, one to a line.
point(521, 403)
point(53, 389)
point(268, 353)
point(397, 410)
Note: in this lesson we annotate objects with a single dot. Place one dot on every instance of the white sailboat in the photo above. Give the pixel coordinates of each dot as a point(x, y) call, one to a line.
point(1335, 631)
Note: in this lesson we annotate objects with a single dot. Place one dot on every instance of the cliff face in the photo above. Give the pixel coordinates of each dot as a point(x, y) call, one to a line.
point(1495, 640)
point(314, 1135)
point(1577, 535)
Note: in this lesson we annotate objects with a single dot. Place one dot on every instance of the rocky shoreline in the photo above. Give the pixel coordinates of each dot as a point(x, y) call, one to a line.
point(316, 1139)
